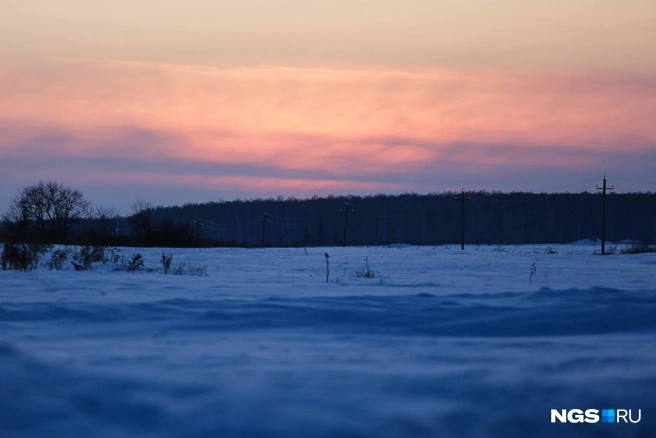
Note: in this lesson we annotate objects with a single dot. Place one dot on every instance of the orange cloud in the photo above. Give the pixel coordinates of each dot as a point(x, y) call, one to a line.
point(340, 120)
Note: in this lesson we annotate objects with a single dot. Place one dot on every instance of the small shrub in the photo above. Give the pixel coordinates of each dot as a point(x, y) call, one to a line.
point(21, 256)
point(365, 272)
point(114, 256)
point(534, 269)
point(609, 251)
point(98, 254)
point(88, 255)
point(550, 250)
point(184, 268)
point(638, 248)
point(179, 270)
point(57, 259)
point(200, 271)
point(166, 261)
point(136, 262)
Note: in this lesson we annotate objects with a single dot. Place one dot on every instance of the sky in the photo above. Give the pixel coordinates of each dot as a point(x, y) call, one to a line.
point(170, 101)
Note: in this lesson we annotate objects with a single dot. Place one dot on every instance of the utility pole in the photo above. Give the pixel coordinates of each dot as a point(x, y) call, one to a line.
point(264, 220)
point(198, 232)
point(603, 216)
point(346, 212)
point(462, 200)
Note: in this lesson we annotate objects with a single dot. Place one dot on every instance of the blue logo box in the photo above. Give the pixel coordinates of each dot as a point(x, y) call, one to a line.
point(608, 415)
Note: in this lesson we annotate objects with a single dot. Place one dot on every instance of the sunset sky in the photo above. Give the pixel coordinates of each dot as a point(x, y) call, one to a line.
point(173, 101)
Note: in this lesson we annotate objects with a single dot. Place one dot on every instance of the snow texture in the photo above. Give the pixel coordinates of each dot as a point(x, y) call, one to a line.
point(439, 342)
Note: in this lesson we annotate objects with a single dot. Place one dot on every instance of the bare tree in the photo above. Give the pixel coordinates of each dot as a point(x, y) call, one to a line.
point(47, 211)
point(142, 220)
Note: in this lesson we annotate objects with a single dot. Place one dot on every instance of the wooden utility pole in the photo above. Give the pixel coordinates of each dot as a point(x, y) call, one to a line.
point(462, 200)
point(346, 212)
point(264, 220)
point(603, 216)
point(198, 231)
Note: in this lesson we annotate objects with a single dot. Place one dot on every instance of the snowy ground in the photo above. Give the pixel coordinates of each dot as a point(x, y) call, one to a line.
point(440, 342)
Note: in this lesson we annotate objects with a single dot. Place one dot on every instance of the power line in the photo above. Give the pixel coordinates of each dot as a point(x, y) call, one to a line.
point(627, 189)
point(632, 180)
point(383, 208)
point(383, 216)
point(214, 225)
point(564, 186)
point(302, 218)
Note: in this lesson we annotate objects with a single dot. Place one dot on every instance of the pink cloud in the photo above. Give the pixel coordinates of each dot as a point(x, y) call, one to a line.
point(254, 184)
point(343, 121)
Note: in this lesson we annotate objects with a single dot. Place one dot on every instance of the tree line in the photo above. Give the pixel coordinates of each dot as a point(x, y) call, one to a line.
point(49, 212)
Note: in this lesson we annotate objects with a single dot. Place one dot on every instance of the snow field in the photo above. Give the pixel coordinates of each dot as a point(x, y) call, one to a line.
point(440, 342)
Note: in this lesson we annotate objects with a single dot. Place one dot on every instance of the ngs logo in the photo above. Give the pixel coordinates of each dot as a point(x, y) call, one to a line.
point(592, 416)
